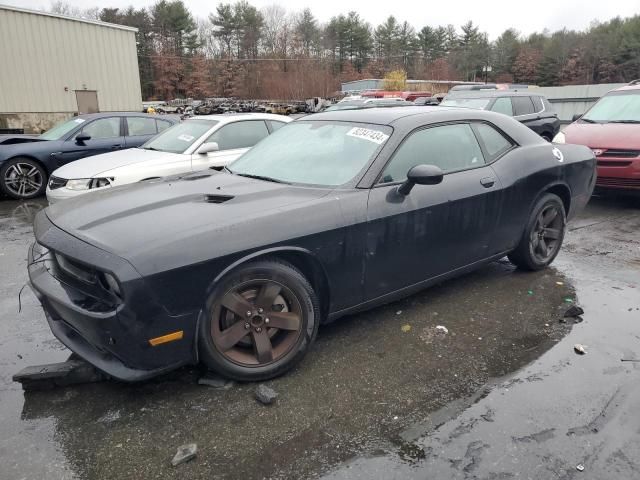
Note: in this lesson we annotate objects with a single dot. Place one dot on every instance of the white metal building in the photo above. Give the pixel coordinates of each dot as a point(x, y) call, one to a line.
point(53, 66)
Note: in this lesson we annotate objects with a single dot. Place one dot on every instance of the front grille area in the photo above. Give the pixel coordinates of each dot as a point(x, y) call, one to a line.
point(618, 182)
point(614, 163)
point(619, 153)
point(55, 182)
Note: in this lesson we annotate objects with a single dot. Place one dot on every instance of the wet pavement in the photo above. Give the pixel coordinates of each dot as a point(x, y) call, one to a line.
point(383, 394)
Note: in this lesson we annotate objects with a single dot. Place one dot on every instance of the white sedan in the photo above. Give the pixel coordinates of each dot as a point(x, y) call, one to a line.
point(209, 141)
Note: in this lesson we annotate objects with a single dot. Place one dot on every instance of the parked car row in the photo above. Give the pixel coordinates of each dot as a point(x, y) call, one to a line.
point(195, 144)
point(27, 161)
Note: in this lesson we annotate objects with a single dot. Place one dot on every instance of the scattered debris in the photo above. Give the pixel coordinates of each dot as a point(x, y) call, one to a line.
point(184, 454)
point(215, 381)
point(109, 417)
point(46, 377)
point(579, 349)
point(580, 468)
point(573, 311)
point(405, 328)
point(442, 328)
point(399, 312)
point(559, 283)
point(568, 300)
point(266, 395)
point(530, 292)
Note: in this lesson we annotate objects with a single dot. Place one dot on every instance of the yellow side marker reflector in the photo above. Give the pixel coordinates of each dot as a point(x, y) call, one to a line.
point(170, 337)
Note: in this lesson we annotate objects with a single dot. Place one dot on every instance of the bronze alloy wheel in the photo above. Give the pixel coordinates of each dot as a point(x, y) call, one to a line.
point(546, 235)
point(23, 180)
point(256, 323)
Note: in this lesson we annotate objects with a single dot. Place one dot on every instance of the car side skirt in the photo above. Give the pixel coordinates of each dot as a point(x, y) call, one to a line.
point(411, 289)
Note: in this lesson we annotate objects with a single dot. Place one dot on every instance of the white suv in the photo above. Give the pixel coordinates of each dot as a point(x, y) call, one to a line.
point(208, 141)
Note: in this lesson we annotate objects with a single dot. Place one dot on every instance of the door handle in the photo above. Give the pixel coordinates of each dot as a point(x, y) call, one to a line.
point(487, 182)
point(116, 147)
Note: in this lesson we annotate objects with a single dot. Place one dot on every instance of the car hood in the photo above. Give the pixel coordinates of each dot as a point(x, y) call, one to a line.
point(99, 164)
point(604, 135)
point(143, 219)
point(16, 139)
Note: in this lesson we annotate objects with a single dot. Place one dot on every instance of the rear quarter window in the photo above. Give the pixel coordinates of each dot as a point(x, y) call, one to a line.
point(522, 105)
point(537, 104)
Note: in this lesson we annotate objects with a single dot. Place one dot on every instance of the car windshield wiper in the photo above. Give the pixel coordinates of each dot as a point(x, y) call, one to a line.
point(624, 121)
point(150, 148)
point(259, 177)
point(588, 120)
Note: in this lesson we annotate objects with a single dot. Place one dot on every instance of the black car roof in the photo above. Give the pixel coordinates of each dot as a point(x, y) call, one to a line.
point(380, 116)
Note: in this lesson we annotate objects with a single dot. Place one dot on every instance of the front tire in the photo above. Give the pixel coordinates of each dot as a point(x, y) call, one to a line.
point(543, 235)
point(259, 321)
point(22, 179)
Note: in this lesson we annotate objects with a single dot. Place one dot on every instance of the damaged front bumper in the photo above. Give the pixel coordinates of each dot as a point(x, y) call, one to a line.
point(113, 334)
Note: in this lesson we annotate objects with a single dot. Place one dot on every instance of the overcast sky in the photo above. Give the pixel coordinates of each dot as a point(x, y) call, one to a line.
point(493, 17)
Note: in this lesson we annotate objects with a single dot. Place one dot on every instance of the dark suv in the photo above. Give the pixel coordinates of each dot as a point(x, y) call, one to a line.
point(531, 109)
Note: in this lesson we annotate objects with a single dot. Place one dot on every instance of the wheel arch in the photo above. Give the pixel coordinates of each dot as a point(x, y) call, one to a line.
point(29, 157)
point(563, 191)
point(302, 259)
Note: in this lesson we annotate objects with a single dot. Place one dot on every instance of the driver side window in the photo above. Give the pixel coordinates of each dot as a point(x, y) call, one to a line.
point(244, 134)
point(103, 128)
point(450, 147)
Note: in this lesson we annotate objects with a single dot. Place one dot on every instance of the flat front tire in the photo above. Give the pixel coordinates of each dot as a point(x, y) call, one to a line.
point(259, 321)
point(543, 234)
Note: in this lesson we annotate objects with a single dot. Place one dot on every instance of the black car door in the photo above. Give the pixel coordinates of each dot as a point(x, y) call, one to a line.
point(105, 135)
point(524, 112)
point(436, 228)
point(138, 130)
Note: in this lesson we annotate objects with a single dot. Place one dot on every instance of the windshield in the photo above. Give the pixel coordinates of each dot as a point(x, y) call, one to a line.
point(60, 130)
point(477, 103)
point(616, 107)
point(314, 153)
point(180, 137)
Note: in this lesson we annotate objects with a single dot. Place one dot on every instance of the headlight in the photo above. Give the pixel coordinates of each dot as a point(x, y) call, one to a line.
point(112, 284)
point(559, 138)
point(101, 182)
point(88, 183)
point(79, 184)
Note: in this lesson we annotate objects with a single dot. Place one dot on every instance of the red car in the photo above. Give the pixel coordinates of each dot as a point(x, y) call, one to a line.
point(611, 128)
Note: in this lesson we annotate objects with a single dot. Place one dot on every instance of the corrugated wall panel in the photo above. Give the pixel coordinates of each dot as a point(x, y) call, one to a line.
point(41, 55)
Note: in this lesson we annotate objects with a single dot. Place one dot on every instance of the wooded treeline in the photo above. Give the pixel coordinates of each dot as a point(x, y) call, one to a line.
point(274, 53)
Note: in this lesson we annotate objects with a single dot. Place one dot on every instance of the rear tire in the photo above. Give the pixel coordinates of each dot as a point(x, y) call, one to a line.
point(22, 178)
point(543, 235)
point(259, 321)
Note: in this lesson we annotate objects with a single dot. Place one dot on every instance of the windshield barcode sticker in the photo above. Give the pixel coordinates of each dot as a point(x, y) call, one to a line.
point(367, 134)
point(185, 138)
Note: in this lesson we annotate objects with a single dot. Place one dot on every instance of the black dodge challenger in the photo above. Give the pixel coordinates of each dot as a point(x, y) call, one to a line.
point(332, 214)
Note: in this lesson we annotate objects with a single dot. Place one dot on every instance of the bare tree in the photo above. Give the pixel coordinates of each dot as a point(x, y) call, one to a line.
point(275, 18)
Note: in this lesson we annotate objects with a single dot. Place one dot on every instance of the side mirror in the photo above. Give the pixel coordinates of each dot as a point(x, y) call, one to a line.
point(577, 116)
point(83, 137)
point(421, 175)
point(208, 148)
